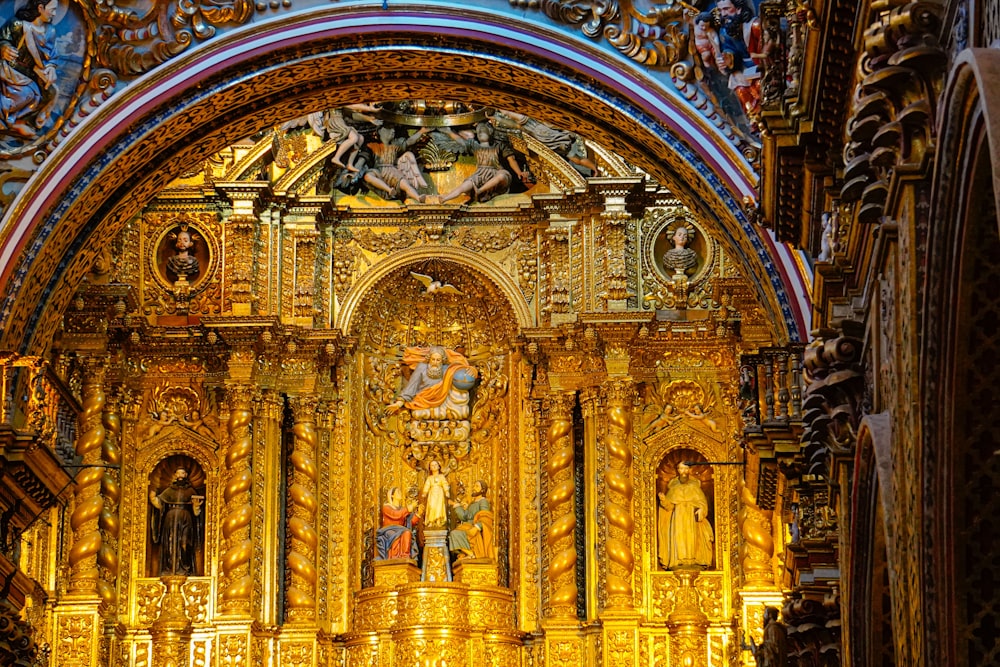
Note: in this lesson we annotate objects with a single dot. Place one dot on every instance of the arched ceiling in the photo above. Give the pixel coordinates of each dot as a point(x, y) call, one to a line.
point(136, 142)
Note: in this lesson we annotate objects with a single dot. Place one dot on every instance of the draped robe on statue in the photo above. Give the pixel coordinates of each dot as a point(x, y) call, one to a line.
point(684, 540)
point(395, 538)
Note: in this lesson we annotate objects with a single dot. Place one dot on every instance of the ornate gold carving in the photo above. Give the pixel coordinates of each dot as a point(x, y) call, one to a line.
point(757, 547)
point(88, 502)
point(474, 573)
point(620, 490)
point(395, 572)
point(196, 592)
point(139, 42)
point(560, 538)
point(233, 650)
point(236, 580)
point(148, 594)
point(74, 640)
point(301, 557)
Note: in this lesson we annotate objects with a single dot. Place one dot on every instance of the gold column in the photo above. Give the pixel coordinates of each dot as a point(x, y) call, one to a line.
point(88, 503)
point(300, 599)
point(76, 620)
point(236, 582)
point(560, 538)
point(688, 625)
point(619, 396)
point(109, 521)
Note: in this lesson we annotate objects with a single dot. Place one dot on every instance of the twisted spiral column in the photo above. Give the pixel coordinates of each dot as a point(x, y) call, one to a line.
point(109, 522)
point(300, 597)
point(237, 545)
point(620, 488)
point(560, 538)
point(88, 503)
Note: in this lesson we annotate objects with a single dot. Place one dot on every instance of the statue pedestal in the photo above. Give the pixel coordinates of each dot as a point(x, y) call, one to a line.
point(476, 572)
point(437, 560)
point(396, 572)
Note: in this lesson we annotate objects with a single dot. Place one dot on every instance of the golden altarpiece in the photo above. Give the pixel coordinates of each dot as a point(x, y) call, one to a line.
point(255, 327)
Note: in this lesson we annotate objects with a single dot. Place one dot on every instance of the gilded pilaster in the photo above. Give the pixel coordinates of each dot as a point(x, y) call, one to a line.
point(305, 274)
point(300, 599)
point(172, 630)
point(236, 581)
point(528, 555)
point(560, 536)
point(88, 503)
point(688, 624)
point(239, 246)
point(619, 395)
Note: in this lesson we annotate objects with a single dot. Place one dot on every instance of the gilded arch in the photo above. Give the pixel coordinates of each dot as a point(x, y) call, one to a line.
point(472, 262)
point(215, 95)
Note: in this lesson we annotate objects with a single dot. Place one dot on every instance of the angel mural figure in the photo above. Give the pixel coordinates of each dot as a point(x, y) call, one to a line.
point(27, 71)
point(491, 177)
point(433, 286)
point(396, 170)
point(439, 386)
point(562, 142)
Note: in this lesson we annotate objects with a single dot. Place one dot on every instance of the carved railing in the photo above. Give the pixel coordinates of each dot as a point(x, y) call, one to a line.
point(33, 399)
point(38, 422)
point(771, 388)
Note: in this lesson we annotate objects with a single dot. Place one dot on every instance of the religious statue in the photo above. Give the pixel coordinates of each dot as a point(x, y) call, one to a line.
point(680, 258)
point(177, 525)
point(338, 129)
point(436, 493)
point(490, 178)
point(568, 144)
point(685, 533)
point(439, 385)
point(773, 648)
point(741, 39)
point(183, 263)
point(396, 170)
point(27, 71)
point(397, 537)
point(473, 537)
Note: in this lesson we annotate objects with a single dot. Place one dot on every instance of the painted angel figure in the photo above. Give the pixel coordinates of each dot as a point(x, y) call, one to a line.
point(396, 170)
point(495, 160)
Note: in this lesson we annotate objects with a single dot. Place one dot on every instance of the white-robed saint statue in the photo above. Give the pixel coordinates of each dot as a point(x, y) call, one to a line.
point(685, 533)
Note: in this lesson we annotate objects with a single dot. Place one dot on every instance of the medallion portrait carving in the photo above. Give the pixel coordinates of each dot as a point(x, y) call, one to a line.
point(182, 256)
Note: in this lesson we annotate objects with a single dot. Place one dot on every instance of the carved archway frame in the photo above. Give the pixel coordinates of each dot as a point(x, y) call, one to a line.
point(136, 143)
point(684, 436)
point(470, 260)
point(968, 152)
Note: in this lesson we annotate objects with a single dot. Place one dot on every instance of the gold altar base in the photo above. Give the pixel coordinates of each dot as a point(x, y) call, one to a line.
point(431, 623)
point(476, 571)
point(77, 629)
point(395, 572)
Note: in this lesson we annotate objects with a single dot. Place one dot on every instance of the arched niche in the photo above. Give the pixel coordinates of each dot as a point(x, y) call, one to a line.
point(176, 526)
point(174, 447)
point(662, 452)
